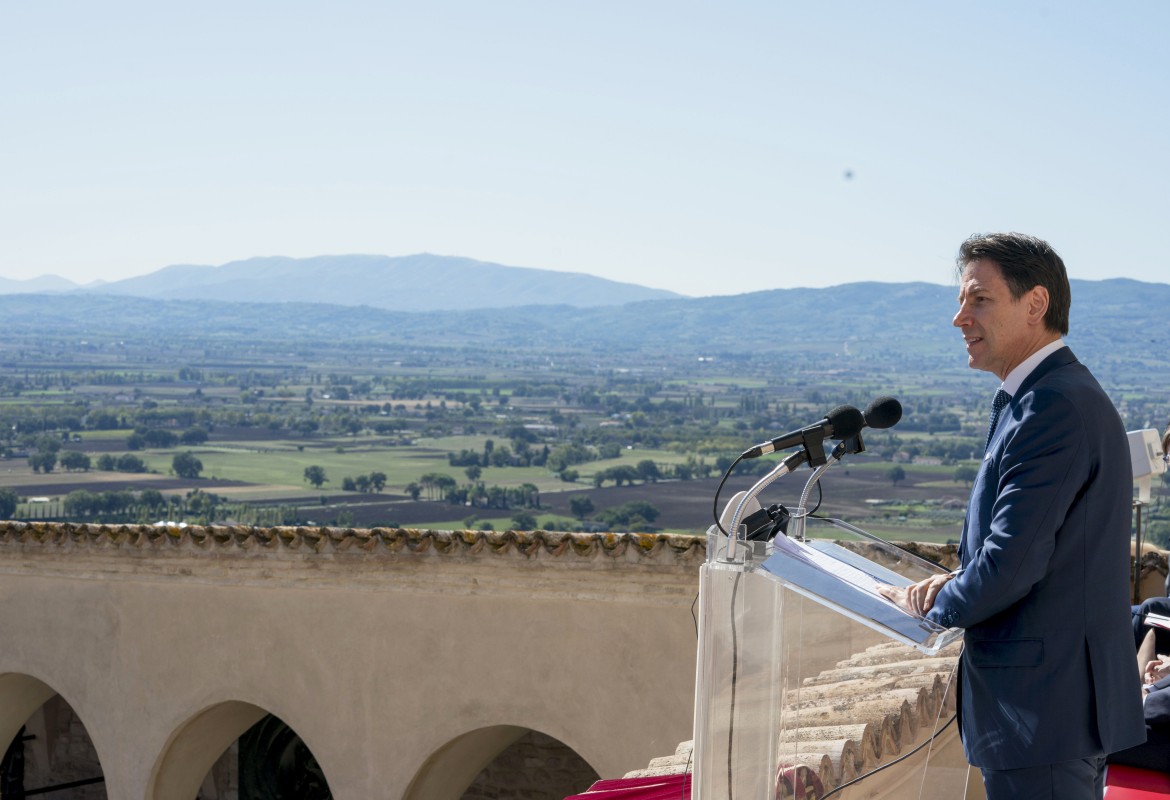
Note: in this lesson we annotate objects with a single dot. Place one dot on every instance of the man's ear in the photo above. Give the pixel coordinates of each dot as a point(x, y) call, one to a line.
point(1037, 304)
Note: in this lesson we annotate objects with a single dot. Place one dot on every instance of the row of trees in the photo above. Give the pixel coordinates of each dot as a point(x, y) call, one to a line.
point(637, 515)
point(439, 486)
point(161, 439)
point(373, 482)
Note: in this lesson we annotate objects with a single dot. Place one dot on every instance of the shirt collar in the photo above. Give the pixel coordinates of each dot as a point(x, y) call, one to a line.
point(1011, 384)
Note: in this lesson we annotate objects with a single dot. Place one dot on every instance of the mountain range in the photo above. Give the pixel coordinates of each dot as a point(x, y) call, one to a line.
point(1117, 321)
point(422, 282)
point(412, 304)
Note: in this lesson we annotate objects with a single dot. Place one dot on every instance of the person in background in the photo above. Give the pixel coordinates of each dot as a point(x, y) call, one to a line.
point(1166, 457)
point(1154, 753)
point(1047, 679)
point(1152, 641)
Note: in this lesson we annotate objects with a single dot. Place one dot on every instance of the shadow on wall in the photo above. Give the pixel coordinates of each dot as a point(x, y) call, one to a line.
point(53, 752)
point(50, 750)
point(535, 766)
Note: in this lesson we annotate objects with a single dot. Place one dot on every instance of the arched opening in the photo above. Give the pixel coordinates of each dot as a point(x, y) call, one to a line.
point(237, 750)
point(47, 748)
point(534, 766)
point(502, 761)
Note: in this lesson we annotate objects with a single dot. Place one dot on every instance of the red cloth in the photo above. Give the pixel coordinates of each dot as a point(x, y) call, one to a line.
point(799, 782)
point(1131, 783)
point(665, 787)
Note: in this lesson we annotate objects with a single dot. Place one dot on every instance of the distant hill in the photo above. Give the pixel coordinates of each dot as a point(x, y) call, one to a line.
point(45, 283)
point(421, 282)
point(1116, 324)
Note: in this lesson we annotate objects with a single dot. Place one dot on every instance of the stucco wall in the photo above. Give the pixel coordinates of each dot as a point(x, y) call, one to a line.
point(399, 657)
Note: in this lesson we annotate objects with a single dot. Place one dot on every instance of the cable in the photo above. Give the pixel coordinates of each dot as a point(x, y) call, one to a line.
point(718, 489)
point(820, 498)
point(897, 760)
point(734, 681)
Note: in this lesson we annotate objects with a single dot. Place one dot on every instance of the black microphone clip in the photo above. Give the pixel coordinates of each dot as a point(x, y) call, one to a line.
point(843, 422)
point(764, 524)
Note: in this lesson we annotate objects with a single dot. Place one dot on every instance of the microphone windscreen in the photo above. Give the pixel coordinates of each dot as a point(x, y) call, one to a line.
point(846, 421)
point(883, 412)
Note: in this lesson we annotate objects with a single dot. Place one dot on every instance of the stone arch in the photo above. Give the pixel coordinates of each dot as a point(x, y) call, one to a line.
point(21, 698)
point(452, 770)
point(199, 743)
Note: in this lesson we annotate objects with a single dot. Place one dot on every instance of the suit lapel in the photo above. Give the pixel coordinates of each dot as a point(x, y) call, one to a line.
point(1061, 358)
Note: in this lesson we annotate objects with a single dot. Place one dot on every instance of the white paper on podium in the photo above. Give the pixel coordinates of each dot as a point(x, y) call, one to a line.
point(833, 579)
point(838, 568)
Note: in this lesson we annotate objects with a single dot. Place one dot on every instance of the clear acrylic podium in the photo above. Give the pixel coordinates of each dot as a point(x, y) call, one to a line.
point(807, 680)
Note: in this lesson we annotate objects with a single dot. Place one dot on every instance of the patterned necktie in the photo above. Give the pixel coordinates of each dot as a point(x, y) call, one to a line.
point(1002, 398)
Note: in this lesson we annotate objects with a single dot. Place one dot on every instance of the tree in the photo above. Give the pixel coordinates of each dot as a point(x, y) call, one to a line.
point(636, 515)
point(648, 471)
point(437, 484)
point(501, 456)
point(8, 500)
point(580, 506)
point(377, 481)
point(473, 472)
point(524, 521)
point(186, 465)
point(621, 474)
point(152, 498)
point(445, 484)
point(640, 508)
point(315, 475)
point(194, 436)
point(414, 490)
point(896, 473)
point(128, 462)
point(159, 439)
point(527, 494)
point(74, 459)
point(82, 503)
point(43, 461)
point(966, 474)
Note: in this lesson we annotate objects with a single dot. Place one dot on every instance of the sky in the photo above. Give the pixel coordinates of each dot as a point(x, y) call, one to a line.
point(704, 148)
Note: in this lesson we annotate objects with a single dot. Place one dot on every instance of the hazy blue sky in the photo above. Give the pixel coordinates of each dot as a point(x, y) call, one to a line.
point(702, 148)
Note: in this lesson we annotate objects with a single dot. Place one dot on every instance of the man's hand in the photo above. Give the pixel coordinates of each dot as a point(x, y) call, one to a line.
point(917, 598)
point(1157, 669)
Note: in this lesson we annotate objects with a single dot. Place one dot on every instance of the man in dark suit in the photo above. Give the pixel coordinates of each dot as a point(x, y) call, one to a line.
point(1048, 678)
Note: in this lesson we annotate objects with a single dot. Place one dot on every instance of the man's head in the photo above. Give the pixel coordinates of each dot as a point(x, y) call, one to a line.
point(1014, 298)
point(1024, 261)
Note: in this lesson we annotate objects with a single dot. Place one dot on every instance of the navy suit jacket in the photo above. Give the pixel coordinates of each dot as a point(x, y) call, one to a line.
point(1048, 666)
point(1157, 706)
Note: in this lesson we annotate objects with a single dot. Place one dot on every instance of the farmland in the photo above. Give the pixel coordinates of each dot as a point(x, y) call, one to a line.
point(142, 422)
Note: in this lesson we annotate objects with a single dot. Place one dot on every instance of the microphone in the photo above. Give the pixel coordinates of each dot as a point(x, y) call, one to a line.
point(842, 422)
point(884, 412)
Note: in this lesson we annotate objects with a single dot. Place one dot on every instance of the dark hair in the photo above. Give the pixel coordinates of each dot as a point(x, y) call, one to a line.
point(1025, 262)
